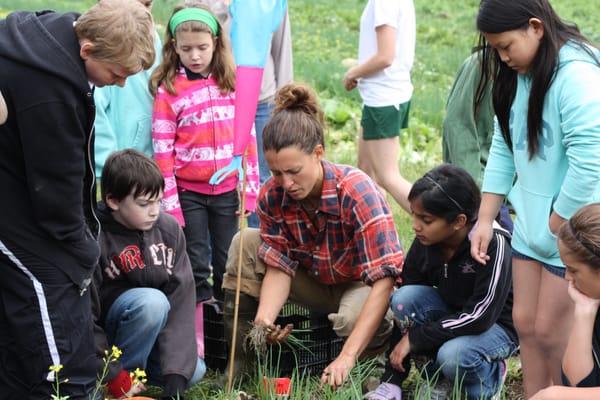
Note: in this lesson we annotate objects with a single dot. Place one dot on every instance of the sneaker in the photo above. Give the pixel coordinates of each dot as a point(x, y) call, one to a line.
point(504, 372)
point(441, 390)
point(385, 391)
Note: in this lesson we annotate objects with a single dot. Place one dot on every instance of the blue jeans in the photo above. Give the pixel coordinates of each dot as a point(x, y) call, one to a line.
point(264, 111)
point(133, 324)
point(210, 223)
point(475, 360)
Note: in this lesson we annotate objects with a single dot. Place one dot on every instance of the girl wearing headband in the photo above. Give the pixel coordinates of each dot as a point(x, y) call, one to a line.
point(451, 309)
point(193, 136)
point(579, 246)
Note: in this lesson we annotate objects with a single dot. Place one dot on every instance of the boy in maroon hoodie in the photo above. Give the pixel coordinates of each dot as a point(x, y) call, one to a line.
point(147, 296)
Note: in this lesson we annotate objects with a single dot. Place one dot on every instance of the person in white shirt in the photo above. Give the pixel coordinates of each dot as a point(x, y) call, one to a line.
point(385, 55)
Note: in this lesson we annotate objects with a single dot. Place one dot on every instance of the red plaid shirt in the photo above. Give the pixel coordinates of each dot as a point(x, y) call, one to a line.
point(355, 238)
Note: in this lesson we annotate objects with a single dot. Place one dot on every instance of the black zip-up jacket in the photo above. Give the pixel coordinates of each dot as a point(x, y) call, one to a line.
point(46, 145)
point(157, 259)
point(477, 295)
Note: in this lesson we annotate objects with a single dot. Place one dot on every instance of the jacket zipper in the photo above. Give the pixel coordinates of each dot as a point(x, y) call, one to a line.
point(92, 169)
point(446, 270)
point(212, 118)
point(86, 282)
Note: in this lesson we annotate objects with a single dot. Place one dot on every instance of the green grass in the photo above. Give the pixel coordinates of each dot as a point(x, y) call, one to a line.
point(325, 32)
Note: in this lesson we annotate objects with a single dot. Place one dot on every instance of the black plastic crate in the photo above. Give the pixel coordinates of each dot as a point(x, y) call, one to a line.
point(320, 343)
point(216, 351)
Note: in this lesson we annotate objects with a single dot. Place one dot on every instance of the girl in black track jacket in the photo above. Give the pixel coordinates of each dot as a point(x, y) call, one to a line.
point(450, 308)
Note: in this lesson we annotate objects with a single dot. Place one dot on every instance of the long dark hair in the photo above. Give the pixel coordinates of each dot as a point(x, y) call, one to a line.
point(497, 16)
point(446, 192)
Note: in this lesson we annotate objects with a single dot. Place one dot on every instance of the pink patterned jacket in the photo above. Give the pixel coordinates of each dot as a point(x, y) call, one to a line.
point(192, 137)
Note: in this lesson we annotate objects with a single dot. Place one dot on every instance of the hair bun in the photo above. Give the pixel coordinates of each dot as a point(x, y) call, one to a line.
point(298, 97)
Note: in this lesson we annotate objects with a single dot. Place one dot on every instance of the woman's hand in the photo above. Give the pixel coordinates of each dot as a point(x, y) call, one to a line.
point(277, 334)
point(336, 373)
point(480, 240)
point(399, 353)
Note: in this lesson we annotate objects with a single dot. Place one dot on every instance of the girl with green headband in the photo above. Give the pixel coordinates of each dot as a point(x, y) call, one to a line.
point(193, 137)
point(194, 21)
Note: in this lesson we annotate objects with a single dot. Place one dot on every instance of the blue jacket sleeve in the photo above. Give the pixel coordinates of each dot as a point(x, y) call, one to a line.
point(500, 168)
point(254, 22)
point(106, 137)
point(580, 122)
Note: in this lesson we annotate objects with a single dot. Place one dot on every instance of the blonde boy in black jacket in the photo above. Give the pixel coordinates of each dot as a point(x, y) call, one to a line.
point(49, 63)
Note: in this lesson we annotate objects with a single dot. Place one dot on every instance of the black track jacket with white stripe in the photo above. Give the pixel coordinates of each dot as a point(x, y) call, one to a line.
point(477, 295)
point(47, 144)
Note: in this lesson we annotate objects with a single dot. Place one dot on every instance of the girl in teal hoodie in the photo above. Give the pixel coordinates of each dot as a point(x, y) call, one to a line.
point(545, 157)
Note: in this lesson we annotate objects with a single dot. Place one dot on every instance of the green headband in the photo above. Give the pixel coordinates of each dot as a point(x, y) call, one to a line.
point(194, 14)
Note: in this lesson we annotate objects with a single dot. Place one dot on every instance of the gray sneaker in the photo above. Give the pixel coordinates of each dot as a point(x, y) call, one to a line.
point(441, 390)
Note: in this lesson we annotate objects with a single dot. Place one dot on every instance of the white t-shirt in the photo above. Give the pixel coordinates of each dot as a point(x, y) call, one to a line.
point(391, 86)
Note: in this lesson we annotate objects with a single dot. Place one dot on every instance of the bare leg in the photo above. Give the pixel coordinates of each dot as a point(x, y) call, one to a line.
point(527, 276)
point(383, 159)
point(553, 322)
point(364, 163)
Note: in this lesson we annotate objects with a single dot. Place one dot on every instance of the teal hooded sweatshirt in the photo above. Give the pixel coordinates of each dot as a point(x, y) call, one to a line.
point(124, 114)
point(564, 175)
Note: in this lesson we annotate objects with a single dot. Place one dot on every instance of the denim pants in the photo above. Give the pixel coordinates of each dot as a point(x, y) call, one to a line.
point(475, 360)
point(264, 110)
point(210, 223)
point(133, 324)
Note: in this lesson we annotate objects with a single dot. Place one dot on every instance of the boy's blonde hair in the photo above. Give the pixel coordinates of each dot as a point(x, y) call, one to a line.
point(121, 32)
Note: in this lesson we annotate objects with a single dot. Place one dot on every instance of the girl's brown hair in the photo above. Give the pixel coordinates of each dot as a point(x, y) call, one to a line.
point(297, 120)
point(222, 66)
point(581, 235)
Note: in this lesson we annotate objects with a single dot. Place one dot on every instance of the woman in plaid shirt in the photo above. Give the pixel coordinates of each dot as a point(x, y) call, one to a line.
point(326, 241)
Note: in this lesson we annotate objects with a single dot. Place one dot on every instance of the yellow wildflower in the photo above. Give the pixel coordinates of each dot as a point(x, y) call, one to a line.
point(116, 352)
point(56, 368)
point(138, 375)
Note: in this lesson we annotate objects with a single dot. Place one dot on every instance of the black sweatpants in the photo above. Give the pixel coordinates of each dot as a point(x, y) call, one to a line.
point(44, 320)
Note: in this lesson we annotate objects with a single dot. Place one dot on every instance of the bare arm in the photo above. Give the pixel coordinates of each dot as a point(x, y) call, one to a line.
point(386, 52)
point(273, 295)
point(371, 315)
